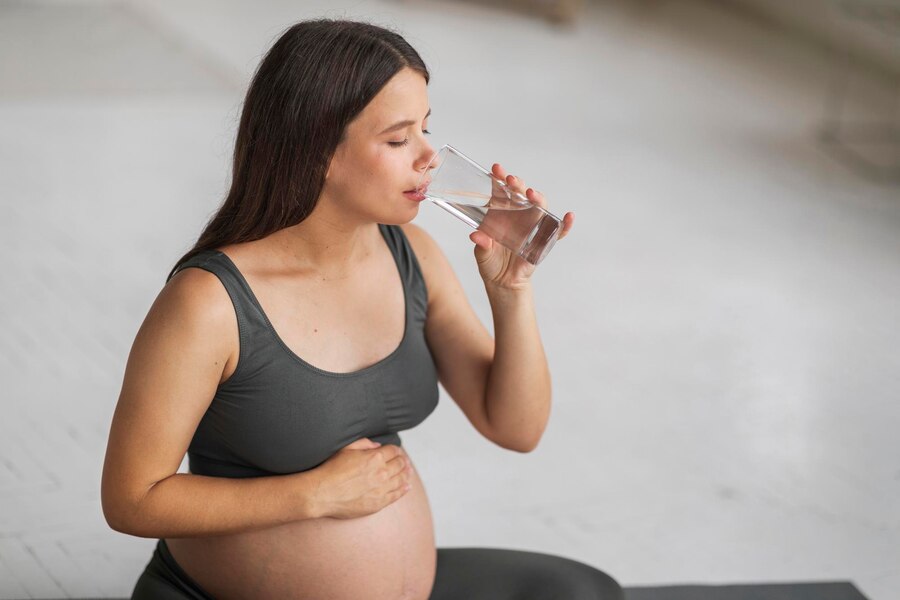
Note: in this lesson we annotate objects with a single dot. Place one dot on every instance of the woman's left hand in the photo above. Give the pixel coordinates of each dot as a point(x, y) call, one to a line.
point(499, 266)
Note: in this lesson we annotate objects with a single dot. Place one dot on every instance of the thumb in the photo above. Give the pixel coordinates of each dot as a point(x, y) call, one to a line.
point(484, 245)
point(362, 444)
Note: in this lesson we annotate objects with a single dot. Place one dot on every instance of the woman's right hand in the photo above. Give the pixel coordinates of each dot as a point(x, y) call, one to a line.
point(361, 478)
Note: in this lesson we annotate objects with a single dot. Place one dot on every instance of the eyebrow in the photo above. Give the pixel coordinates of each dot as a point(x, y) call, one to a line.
point(396, 126)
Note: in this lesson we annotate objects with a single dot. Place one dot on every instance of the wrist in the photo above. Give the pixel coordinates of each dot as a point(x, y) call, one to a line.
point(306, 497)
point(507, 293)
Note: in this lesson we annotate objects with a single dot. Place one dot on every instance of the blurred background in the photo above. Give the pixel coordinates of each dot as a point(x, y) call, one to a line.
point(722, 325)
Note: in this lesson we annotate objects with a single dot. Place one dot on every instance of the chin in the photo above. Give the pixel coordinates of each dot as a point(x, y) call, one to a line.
point(398, 218)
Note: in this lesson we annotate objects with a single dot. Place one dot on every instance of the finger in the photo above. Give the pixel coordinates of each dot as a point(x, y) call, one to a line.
point(398, 465)
point(402, 473)
point(399, 492)
point(390, 452)
point(568, 223)
point(499, 175)
point(516, 184)
point(362, 443)
point(484, 246)
point(536, 197)
point(481, 239)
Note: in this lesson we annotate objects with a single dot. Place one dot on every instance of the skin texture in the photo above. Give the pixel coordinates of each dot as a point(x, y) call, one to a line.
point(331, 290)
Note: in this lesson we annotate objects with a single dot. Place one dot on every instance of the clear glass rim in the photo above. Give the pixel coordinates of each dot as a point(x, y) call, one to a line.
point(447, 148)
point(451, 149)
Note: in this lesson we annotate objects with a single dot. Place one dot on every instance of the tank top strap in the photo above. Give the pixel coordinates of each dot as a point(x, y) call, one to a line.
point(252, 323)
point(259, 341)
point(408, 266)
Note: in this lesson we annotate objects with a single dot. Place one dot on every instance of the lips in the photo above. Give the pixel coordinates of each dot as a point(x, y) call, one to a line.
point(422, 188)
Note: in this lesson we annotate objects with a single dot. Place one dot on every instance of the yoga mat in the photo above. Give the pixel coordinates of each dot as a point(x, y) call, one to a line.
point(832, 590)
point(829, 590)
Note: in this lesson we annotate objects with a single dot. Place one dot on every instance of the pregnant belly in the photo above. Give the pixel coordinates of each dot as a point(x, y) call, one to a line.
point(388, 555)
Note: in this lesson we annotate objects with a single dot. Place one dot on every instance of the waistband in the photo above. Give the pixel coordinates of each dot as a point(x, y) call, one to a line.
point(176, 575)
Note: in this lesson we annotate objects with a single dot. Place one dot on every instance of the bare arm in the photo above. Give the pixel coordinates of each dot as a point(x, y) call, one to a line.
point(502, 387)
point(518, 386)
point(178, 359)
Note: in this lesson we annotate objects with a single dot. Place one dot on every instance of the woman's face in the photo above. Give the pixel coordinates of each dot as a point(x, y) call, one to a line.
point(384, 154)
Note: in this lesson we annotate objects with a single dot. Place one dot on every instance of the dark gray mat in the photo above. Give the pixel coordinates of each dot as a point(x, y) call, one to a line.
point(829, 590)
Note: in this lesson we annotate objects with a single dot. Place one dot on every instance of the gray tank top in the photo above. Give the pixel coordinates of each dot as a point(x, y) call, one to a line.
point(278, 414)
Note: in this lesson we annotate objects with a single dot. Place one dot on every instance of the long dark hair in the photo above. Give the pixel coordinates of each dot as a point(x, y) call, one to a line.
point(317, 77)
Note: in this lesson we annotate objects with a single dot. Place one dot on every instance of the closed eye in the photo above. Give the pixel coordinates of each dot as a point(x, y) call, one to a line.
point(406, 141)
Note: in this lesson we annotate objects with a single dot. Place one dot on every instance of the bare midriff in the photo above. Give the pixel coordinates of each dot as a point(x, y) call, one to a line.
point(387, 555)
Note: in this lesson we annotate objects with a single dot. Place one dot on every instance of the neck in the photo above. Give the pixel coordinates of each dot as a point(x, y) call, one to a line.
point(326, 245)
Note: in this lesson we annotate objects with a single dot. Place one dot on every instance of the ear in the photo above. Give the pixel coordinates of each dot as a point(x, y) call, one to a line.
point(331, 162)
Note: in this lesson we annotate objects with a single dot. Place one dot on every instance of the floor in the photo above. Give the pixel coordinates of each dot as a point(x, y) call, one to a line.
point(722, 325)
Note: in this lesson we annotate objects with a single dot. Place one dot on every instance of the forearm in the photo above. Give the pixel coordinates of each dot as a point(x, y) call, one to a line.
point(187, 505)
point(517, 399)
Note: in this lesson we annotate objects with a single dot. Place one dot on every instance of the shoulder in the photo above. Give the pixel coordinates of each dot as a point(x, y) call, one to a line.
point(195, 288)
point(444, 288)
point(196, 301)
point(193, 318)
point(436, 270)
point(422, 243)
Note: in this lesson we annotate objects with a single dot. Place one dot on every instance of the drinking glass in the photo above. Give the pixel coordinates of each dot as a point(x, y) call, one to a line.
point(471, 193)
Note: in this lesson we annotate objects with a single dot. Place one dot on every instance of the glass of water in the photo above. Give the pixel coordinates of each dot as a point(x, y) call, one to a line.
point(471, 193)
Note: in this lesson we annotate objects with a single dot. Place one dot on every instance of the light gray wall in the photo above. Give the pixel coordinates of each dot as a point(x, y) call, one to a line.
point(722, 324)
point(868, 30)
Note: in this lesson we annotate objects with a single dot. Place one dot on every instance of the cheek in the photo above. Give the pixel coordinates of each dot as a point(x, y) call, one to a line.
point(374, 172)
point(387, 168)
point(364, 175)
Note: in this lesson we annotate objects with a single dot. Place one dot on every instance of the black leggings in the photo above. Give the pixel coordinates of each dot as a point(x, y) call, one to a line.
point(462, 574)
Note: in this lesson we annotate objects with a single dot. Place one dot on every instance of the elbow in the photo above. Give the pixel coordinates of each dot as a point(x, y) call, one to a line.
point(527, 441)
point(112, 504)
point(115, 518)
point(528, 446)
point(522, 445)
point(125, 522)
point(518, 440)
point(118, 526)
point(520, 448)
point(122, 515)
point(118, 516)
point(522, 434)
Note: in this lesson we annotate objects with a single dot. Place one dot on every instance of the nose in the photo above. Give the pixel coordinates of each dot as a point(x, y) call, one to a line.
point(426, 160)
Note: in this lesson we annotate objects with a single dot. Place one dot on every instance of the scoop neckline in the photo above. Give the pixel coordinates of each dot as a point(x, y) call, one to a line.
point(383, 230)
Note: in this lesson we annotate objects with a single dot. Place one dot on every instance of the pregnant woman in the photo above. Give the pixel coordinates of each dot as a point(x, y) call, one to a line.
point(308, 325)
